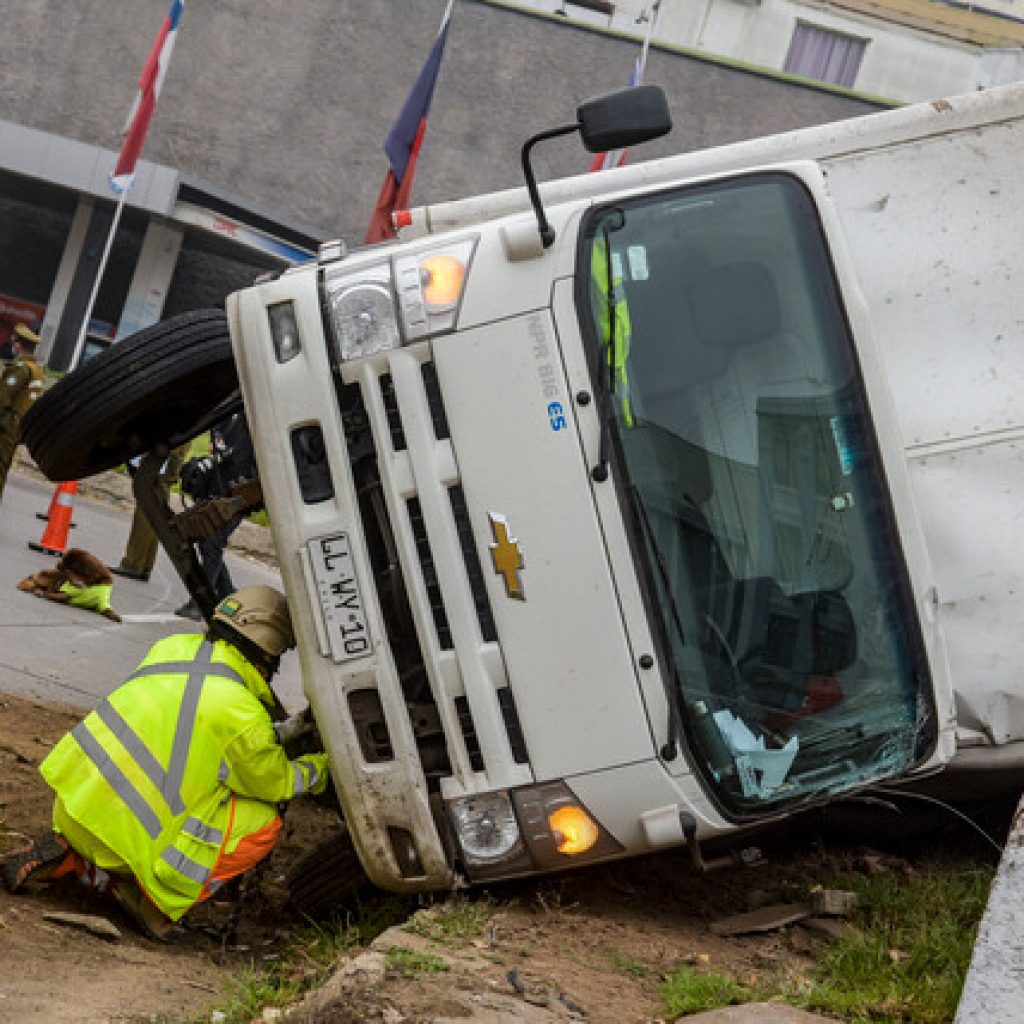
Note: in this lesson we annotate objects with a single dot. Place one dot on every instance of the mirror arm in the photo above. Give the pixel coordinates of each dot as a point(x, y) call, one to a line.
point(547, 234)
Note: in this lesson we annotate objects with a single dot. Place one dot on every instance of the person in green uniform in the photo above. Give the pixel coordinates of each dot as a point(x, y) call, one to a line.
point(20, 386)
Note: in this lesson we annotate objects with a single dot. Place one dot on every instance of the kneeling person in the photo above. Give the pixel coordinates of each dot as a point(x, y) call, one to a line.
point(169, 789)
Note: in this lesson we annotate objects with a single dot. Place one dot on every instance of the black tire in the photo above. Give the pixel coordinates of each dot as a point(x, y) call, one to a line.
point(159, 386)
point(328, 878)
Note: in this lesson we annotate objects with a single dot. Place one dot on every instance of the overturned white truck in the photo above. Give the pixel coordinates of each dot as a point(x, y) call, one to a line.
point(675, 503)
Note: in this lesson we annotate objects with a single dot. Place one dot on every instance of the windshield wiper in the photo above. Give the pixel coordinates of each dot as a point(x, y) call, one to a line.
point(673, 687)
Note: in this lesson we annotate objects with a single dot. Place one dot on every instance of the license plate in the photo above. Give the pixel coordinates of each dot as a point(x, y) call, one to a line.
point(340, 600)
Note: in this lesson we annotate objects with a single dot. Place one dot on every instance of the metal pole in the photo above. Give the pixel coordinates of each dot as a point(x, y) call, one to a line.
point(80, 342)
point(647, 36)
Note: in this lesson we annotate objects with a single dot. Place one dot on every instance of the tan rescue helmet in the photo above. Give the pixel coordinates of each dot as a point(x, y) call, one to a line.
point(260, 614)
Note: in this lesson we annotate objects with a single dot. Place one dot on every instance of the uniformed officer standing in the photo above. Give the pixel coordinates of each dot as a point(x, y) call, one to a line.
point(21, 385)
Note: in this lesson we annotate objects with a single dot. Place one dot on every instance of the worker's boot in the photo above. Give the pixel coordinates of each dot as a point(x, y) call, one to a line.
point(45, 858)
point(125, 892)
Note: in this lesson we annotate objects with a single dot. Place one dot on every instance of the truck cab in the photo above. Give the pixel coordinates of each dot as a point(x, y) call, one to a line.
point(597, 547)
point(593, 502)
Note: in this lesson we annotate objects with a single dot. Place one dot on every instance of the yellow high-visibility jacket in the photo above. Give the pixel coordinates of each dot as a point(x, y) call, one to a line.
point(617, 329)
point(95, 598)
point(150, 774)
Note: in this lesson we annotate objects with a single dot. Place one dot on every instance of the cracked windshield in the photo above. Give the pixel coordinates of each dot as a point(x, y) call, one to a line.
point(757, 495)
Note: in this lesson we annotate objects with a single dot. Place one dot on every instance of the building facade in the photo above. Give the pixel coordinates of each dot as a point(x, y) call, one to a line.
point(275, 119)
point(900, 50)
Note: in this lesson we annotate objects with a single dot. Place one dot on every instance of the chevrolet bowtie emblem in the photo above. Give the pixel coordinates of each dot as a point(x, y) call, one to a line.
point(506, 556)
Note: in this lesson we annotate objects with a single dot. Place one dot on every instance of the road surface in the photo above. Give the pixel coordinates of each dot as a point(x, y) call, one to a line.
point(58, 653)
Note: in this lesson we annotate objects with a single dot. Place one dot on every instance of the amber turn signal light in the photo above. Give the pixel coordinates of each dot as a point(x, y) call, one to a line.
point(573, 829)
point(442, 276)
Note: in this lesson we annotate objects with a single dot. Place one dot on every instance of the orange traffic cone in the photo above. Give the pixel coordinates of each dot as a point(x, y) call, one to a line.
point(53, 506)
point(55, 537)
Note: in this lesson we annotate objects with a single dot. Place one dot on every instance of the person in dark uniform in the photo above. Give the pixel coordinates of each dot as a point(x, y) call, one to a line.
point(20, 386)
point(141, 550)
point(231, 460)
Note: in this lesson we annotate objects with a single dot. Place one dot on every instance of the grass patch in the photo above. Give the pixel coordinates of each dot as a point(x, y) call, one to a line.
point(904, 961)
point(306, 961)
point(411, 964)
point(455, 918)
point(688, 991)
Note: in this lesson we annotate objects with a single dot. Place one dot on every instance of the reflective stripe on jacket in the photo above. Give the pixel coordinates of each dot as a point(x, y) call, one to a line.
point(150, 773)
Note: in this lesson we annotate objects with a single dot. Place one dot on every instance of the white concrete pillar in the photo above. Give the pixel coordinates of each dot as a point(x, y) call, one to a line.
point(152, 278)
point(65, 274)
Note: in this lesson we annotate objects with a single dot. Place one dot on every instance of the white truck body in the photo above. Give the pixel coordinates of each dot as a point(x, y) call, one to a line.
point(515, 655)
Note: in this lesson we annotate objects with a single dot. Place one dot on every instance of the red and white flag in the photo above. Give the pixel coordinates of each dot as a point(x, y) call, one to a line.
point(150, 81)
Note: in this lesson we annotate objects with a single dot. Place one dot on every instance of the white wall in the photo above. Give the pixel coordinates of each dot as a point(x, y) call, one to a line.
point(900, 63)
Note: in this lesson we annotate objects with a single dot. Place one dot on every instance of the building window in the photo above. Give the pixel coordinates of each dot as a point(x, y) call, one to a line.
point(828, 56)
point(601, 6)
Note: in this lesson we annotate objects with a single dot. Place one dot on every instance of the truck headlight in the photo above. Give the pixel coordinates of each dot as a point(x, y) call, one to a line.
point(361, 307)
point(385, 305)
point(487, 828)
point(534, 828)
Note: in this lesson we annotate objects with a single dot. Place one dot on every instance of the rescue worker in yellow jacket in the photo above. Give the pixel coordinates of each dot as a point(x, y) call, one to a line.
point(169, 789)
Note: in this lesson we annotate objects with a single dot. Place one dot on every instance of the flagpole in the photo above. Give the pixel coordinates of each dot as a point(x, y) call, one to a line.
point(655, 7)
point(84, 328)
point(150, 81)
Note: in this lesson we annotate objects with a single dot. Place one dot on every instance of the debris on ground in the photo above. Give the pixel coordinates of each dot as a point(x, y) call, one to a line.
point(91, 923)
point(832, 902)
point(823, 904)
point(765, 919)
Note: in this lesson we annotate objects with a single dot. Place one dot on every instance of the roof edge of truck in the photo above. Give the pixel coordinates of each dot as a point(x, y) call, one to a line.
point(835, 139)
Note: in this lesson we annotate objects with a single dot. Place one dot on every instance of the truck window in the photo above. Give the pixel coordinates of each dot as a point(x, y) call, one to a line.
point(751, 478)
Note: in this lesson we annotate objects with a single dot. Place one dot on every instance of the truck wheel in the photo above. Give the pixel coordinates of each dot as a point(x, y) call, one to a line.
point(327, 878)
point(160, 385)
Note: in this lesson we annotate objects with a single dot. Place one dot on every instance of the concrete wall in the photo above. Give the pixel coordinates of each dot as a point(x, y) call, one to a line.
point(287, 103)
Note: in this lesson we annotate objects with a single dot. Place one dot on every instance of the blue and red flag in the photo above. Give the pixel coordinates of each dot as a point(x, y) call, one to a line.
point(150, 81)
point(404, 140)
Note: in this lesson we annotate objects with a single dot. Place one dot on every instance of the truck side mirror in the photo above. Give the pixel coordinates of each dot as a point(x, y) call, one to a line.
point(619, 119)
point(624, 118)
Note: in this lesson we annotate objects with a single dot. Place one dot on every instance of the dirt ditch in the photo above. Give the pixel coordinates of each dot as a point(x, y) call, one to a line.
point(592, 945)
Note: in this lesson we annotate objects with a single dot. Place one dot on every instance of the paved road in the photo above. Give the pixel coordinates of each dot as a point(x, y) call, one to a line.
point(58, 653)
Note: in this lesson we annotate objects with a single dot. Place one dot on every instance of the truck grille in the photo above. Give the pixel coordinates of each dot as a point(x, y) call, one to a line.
point(430, 581)
point(419, 532)
point(387, 392)
point(433, 389)
point(476, 577)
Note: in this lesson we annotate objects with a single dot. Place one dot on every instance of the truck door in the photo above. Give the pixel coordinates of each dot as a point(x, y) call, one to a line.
point(760, 473)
